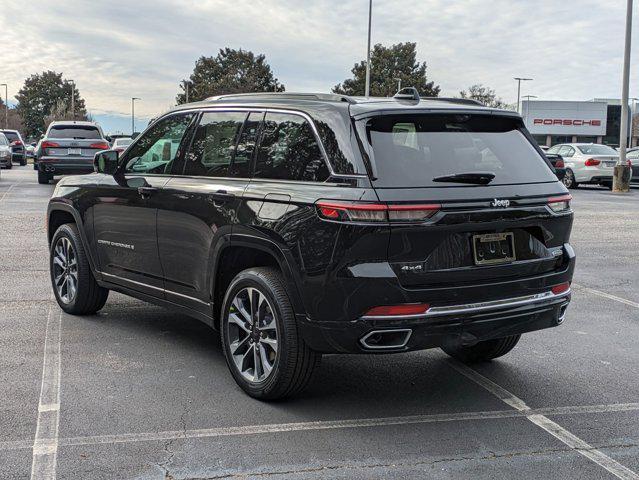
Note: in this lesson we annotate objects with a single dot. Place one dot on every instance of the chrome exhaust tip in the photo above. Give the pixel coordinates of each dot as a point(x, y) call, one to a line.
point(562, 313)
point(386, 339)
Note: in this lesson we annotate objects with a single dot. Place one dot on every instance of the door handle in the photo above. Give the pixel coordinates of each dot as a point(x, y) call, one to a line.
point(146, 192)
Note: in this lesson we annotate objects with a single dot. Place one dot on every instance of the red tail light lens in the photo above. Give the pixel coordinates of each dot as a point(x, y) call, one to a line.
point(560, 204)
point(16, 142)
point(100, 145)
point(375, 212)
point(398, 310)
point(561, 288)
point(560, 164)
point(49, 145)
point(592, 162)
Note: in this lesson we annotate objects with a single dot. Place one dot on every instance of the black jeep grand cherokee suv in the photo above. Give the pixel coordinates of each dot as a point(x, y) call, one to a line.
point(302, 224)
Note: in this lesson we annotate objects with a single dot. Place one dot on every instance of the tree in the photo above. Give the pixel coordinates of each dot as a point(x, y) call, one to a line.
point(231, 71)
point(388, 66)
point(40, 96)
point(484, 95)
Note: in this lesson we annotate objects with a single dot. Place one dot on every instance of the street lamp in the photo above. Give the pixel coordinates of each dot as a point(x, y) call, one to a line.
point(527, 98)
point(399, 84)
point(72, 82)
point(6, 104)
point(519, 80)
point(622, 173)
point(368, 51)
point(133, 99)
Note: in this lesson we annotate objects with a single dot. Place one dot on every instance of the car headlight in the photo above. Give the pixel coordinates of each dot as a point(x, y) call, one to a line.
point(4, 154)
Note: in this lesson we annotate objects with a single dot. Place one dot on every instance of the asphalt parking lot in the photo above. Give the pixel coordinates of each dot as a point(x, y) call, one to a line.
point(140, 392)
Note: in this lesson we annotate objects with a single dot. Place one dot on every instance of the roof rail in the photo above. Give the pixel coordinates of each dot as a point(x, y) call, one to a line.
point(461, 101)
point(326, 97)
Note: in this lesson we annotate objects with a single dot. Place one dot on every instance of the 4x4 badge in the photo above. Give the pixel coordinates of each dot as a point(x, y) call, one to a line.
point(500, 203)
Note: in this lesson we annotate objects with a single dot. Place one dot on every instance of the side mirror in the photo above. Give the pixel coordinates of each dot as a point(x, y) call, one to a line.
point(106, 162)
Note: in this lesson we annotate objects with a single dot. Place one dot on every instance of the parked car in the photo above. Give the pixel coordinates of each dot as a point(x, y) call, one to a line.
point(68, 147)
point(558, 165)
point(120, 144)
point(17, 146)
point(303, 224)
point(591, 163)
point(5, 152)
point(633, 158)
point(30, 150)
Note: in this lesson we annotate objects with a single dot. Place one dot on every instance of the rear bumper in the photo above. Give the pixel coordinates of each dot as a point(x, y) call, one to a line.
point(65, 166)
point(458, 315)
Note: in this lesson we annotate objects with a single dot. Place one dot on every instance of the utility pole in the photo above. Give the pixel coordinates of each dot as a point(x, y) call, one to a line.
point(72, 98)
point(6, 104)
point(133, 99)
point(367, 92)
point(621, 176)
point(519, 80)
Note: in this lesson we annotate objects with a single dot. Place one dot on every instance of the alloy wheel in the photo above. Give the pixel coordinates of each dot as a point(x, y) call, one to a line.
point(569, 179)
point(65, 270)
point(252, 334)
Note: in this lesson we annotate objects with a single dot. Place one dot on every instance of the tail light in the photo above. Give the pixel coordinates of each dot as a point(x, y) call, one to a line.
point(398, 310)
point(560, 164)
point(560, 204)
point(100, 145)
point(561, 288)
point(375, 212)
point(16, 143)
point(592, 162)
point(49, 145)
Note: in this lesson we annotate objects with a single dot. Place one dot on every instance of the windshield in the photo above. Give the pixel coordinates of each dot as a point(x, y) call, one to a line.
point(416, 150)
point(597, 150)
point(74, 131)
point(122, 142)
point(11, 136)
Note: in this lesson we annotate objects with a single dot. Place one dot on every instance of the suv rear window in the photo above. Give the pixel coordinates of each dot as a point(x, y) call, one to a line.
point(11, 136)
point(412, 150)
point(74, 131)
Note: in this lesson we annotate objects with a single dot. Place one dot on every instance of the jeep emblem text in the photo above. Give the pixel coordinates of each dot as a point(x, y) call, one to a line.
point(500, 203)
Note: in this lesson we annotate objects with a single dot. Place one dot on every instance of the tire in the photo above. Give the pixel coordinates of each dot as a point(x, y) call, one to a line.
point(293, 361)
point(44, 178)
point(23, 162)
point(89, 297)
point(569, 179)
point(10, 164)
point(483, 351)
point(608, 185)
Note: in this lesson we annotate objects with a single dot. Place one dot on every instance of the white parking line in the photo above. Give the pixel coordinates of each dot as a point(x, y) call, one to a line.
point(325, 425)
point(557, 431)
point(45, 444)
point(607, 295)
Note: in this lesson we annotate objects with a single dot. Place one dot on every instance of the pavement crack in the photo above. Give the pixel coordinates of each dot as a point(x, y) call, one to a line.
point(170, 453)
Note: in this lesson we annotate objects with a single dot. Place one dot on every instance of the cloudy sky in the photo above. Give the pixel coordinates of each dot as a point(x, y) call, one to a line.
point(117, 49)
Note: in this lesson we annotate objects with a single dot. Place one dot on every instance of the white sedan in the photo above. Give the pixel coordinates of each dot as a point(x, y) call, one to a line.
point(587, 163)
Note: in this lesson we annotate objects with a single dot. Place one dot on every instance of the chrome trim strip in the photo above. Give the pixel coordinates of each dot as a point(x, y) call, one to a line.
point(407, 331)
point(477, 307)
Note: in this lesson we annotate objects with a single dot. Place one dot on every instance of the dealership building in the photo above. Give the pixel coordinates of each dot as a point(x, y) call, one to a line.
point(593, 121)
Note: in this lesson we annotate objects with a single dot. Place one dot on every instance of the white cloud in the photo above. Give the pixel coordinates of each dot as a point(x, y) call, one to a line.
point(118, 49)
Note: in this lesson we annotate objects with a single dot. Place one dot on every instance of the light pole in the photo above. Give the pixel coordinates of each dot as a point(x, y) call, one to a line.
point(367, 92)
point(519, 80)
point(72, 82)
point(6, 104)
point(399, 84)
point(527, 98)
point(186, 91)
point(133, 99)
point(621, 177)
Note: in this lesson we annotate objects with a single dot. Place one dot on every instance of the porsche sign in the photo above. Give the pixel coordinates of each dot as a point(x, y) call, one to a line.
point(565, 118)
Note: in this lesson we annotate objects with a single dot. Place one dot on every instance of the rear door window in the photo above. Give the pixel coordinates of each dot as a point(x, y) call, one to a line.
point(241, 165)
point(289, 150)
point(77, 132)
point(413, 150)
point(214, 144)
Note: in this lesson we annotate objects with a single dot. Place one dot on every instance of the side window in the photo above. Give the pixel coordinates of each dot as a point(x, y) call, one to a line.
point(214, 144)
point(241, 165)
point(288, 150)
point(554, 149)
point(156, 150)
point(567, 152)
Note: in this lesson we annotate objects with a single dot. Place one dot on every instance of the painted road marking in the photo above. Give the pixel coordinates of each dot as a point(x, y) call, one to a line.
point(45, 444)
point(606, 295)
point(325, 425)
point(557, 431)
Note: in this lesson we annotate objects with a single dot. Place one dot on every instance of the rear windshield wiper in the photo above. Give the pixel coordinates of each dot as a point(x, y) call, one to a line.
point(474, 178)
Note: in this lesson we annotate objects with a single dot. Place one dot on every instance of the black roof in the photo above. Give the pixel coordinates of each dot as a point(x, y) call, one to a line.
point(356, 105)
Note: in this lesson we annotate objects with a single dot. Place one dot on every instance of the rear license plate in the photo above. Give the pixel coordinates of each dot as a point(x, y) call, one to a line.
point(494, 248)
point(75, 151)
point(610, 164)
